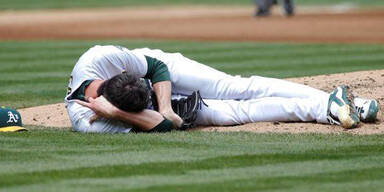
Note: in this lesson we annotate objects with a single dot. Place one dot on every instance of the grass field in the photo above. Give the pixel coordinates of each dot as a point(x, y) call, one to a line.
point(66, 161)
point(48, 4)
point(35, 73)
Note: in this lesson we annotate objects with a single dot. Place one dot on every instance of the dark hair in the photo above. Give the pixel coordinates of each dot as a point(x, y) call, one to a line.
point(126, 92)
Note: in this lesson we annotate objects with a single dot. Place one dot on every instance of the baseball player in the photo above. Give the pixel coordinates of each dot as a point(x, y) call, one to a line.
point(230, 100)
point(264, 6)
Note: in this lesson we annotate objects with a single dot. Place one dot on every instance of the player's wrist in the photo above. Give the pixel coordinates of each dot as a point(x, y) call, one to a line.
point(172, 116)
point(118, 114)
point(166, 110)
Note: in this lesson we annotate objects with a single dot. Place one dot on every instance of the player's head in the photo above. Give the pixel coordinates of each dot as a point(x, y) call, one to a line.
point(126, 92)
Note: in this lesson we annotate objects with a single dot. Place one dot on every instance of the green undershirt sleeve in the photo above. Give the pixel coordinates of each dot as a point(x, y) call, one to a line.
point(157, 70)
point(80, 92)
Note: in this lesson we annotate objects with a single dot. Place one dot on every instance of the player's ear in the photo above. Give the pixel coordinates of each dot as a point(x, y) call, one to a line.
point(101, 89)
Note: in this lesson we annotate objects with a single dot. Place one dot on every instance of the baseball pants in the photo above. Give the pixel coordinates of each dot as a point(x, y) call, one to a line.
point(235, 100)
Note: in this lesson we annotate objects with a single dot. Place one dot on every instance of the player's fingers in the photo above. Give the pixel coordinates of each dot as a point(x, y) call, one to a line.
point(93, 119)
point(90, 99)
point(83, 103)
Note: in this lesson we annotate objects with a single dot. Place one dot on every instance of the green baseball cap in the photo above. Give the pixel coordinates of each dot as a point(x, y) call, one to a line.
point(10, 120)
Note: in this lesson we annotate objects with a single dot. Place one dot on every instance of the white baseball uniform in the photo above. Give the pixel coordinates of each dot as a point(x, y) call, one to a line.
point(231, 99)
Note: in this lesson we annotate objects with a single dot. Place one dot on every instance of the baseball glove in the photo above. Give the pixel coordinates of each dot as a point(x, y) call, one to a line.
point(186, 108)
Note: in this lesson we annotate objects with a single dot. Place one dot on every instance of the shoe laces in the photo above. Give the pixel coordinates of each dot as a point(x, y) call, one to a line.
point(201, 101)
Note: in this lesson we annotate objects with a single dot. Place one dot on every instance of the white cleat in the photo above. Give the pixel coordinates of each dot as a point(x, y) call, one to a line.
point(341, 110)
point(367, 109)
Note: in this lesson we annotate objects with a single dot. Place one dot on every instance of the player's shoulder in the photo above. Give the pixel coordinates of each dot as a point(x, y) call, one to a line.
point(107, 48)
point(119, 48)
point(100, 51)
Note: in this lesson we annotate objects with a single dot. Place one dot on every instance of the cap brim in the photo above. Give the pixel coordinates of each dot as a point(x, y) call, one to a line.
point(12, 129)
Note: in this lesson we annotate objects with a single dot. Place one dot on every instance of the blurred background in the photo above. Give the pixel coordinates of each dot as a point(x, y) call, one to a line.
point(44, 4)
point(314, 21)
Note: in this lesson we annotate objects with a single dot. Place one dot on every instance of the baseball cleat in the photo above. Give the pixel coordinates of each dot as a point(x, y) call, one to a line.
point(367, 109)
point(262, 13)
point(341, 110)
point(289, 7)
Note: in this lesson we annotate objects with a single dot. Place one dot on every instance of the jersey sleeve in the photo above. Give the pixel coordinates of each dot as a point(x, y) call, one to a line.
point(146, 66)
point(157, 70)
point(137, 64)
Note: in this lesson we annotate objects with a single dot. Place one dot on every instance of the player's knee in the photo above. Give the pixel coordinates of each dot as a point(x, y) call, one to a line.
point(101, 126)
point(215, 117)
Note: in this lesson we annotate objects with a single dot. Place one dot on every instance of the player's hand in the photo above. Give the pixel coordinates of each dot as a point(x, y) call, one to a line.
point(172, 116)
point(187, 108)
point(101, 106)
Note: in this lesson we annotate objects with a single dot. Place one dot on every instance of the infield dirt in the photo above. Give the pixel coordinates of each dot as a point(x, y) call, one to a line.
point(324, 24)
point(320, 24)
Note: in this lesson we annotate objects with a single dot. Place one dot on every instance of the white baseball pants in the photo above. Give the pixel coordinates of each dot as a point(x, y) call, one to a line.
point(235, 100)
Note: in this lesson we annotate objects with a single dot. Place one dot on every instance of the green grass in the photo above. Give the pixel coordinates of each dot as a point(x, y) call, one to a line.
point(35, 73)
point(49, 4)
point(190, 161)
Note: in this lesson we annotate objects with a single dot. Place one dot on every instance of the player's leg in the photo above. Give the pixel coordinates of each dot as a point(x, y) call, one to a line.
point(188, 75)
point(337, 108)
point(289, 7)
point(232, 112)
point(263, 7)
point(272, 87)
point(80, 117)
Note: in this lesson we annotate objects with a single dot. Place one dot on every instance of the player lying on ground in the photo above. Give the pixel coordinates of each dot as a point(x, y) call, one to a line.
point(231, 100)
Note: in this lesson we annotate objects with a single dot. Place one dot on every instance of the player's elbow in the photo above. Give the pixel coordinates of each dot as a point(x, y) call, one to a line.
point(83, 125)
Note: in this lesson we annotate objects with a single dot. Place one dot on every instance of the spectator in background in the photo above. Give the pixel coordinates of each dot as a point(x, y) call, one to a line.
point(264, 6)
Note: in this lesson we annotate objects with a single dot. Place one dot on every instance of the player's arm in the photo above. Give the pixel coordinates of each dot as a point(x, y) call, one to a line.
point(159, 75)
point(147, 120)
point(150, 68)
point(163, 96)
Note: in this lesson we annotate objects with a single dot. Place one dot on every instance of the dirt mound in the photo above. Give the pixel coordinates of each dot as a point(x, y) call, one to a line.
point(54, 115)
point(365, 84)
point(197, 23)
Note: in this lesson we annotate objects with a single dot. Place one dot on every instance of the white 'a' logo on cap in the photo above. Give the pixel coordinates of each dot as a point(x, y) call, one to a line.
point(12, 118)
